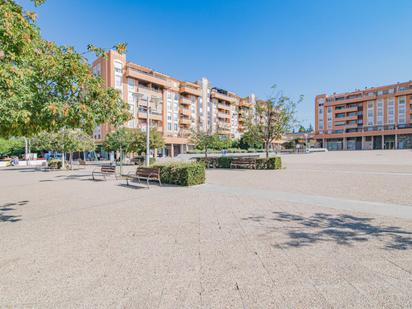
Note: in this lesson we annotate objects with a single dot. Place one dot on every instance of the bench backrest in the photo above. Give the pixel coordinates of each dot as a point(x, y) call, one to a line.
point(244, 160)
point(108, 169)
point(148, 171)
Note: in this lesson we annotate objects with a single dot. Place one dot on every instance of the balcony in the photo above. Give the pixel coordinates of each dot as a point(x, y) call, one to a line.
point(224, 125)
point(153, 116)
point(192, 89)
point(223, 115)
point(370, 129)
point(149, 77)
point(151, 91)
point(184, 121)
point(184, 133)
point(185, 111)
point(346, 110)
point(223, 106)
point(245, 103)
point(223, 97)
point(185, 101)
point(346, 118)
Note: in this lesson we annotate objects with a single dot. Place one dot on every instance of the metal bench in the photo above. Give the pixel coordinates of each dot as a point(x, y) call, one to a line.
point(147, 173)
point(105, 170)
point(243, 163)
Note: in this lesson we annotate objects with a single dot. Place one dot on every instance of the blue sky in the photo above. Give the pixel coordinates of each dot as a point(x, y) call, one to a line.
point(305, 47)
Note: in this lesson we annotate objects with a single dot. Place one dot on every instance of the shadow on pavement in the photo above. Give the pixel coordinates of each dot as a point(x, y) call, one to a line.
point(8, 217)
point(341, 229)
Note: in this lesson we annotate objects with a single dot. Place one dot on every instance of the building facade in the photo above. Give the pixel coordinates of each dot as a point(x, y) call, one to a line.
point(373, 118)
point(176, 106)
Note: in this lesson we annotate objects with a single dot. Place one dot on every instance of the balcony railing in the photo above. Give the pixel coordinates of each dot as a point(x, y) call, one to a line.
point(223, 106)
point(223, 115)
point(184, 100)
point(370, 95)
point(143, 87)
point(349, 129)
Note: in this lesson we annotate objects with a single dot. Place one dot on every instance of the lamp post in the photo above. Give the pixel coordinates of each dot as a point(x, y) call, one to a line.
point(306, 142)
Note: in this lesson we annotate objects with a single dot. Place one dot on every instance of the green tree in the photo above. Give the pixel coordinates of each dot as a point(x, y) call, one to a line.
point(310, 129)
point(47, 87)
point(204, 140)
point(11, 147)
point(119, 140)
point(248, 140)
point(274, 117)
point(301, 129)
point(64, 141)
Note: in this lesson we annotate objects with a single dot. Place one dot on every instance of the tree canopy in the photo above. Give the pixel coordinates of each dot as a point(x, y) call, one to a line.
point(65, 140)
point(46, 87)
point(274, 117)
point(132, 140)
point(205, 140)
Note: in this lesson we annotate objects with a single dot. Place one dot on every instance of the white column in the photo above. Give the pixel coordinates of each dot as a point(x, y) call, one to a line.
point(396, 141)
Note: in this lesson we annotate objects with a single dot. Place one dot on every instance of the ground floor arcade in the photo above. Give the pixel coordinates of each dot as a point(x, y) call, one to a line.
point(393, 141)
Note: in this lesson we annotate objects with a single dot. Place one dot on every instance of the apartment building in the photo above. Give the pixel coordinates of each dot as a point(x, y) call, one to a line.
point(176, 107)
point(373, 118)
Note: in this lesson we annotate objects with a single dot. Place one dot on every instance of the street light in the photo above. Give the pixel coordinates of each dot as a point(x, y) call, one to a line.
point(306, 142)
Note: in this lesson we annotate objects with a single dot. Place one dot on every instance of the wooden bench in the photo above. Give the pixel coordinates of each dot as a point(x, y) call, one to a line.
point(243, 163)
point(147, 173)
point(105, 170)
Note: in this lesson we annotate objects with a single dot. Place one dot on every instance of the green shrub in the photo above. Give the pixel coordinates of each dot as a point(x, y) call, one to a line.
point(223, 162)
point(54, 163)
point(273, 163)
point(182, 174)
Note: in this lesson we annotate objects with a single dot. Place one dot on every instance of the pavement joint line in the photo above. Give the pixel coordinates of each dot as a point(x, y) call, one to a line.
point(378, 208)
point(353, 172)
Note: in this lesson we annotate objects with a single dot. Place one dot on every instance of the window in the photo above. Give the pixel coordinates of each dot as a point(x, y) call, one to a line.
point(329, 123)
point(169, 126)
point(401, 110)
point(371, 113)
point(320, 117)
point(169, 117)
point(176, 128)
point(379, 113)
point(391, 110)
point(130, 84)
point(131, 123)
point(97, 69)
point(118, 82)
point(118, 75)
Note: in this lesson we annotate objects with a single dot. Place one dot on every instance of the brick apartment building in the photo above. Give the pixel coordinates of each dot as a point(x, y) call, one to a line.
point(176, 106)
point(373, 118)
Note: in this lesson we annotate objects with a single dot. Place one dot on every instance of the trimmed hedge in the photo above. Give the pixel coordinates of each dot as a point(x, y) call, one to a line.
point(55, 163)
point(182, 174)
point(273, 163)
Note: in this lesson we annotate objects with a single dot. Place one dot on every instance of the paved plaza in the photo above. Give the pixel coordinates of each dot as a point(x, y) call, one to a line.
point(330, 230)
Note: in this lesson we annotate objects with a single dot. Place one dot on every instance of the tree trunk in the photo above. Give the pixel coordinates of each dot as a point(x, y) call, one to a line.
point(63, 161)
point(267, 150)
point(71, 160)
point(26, 151)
